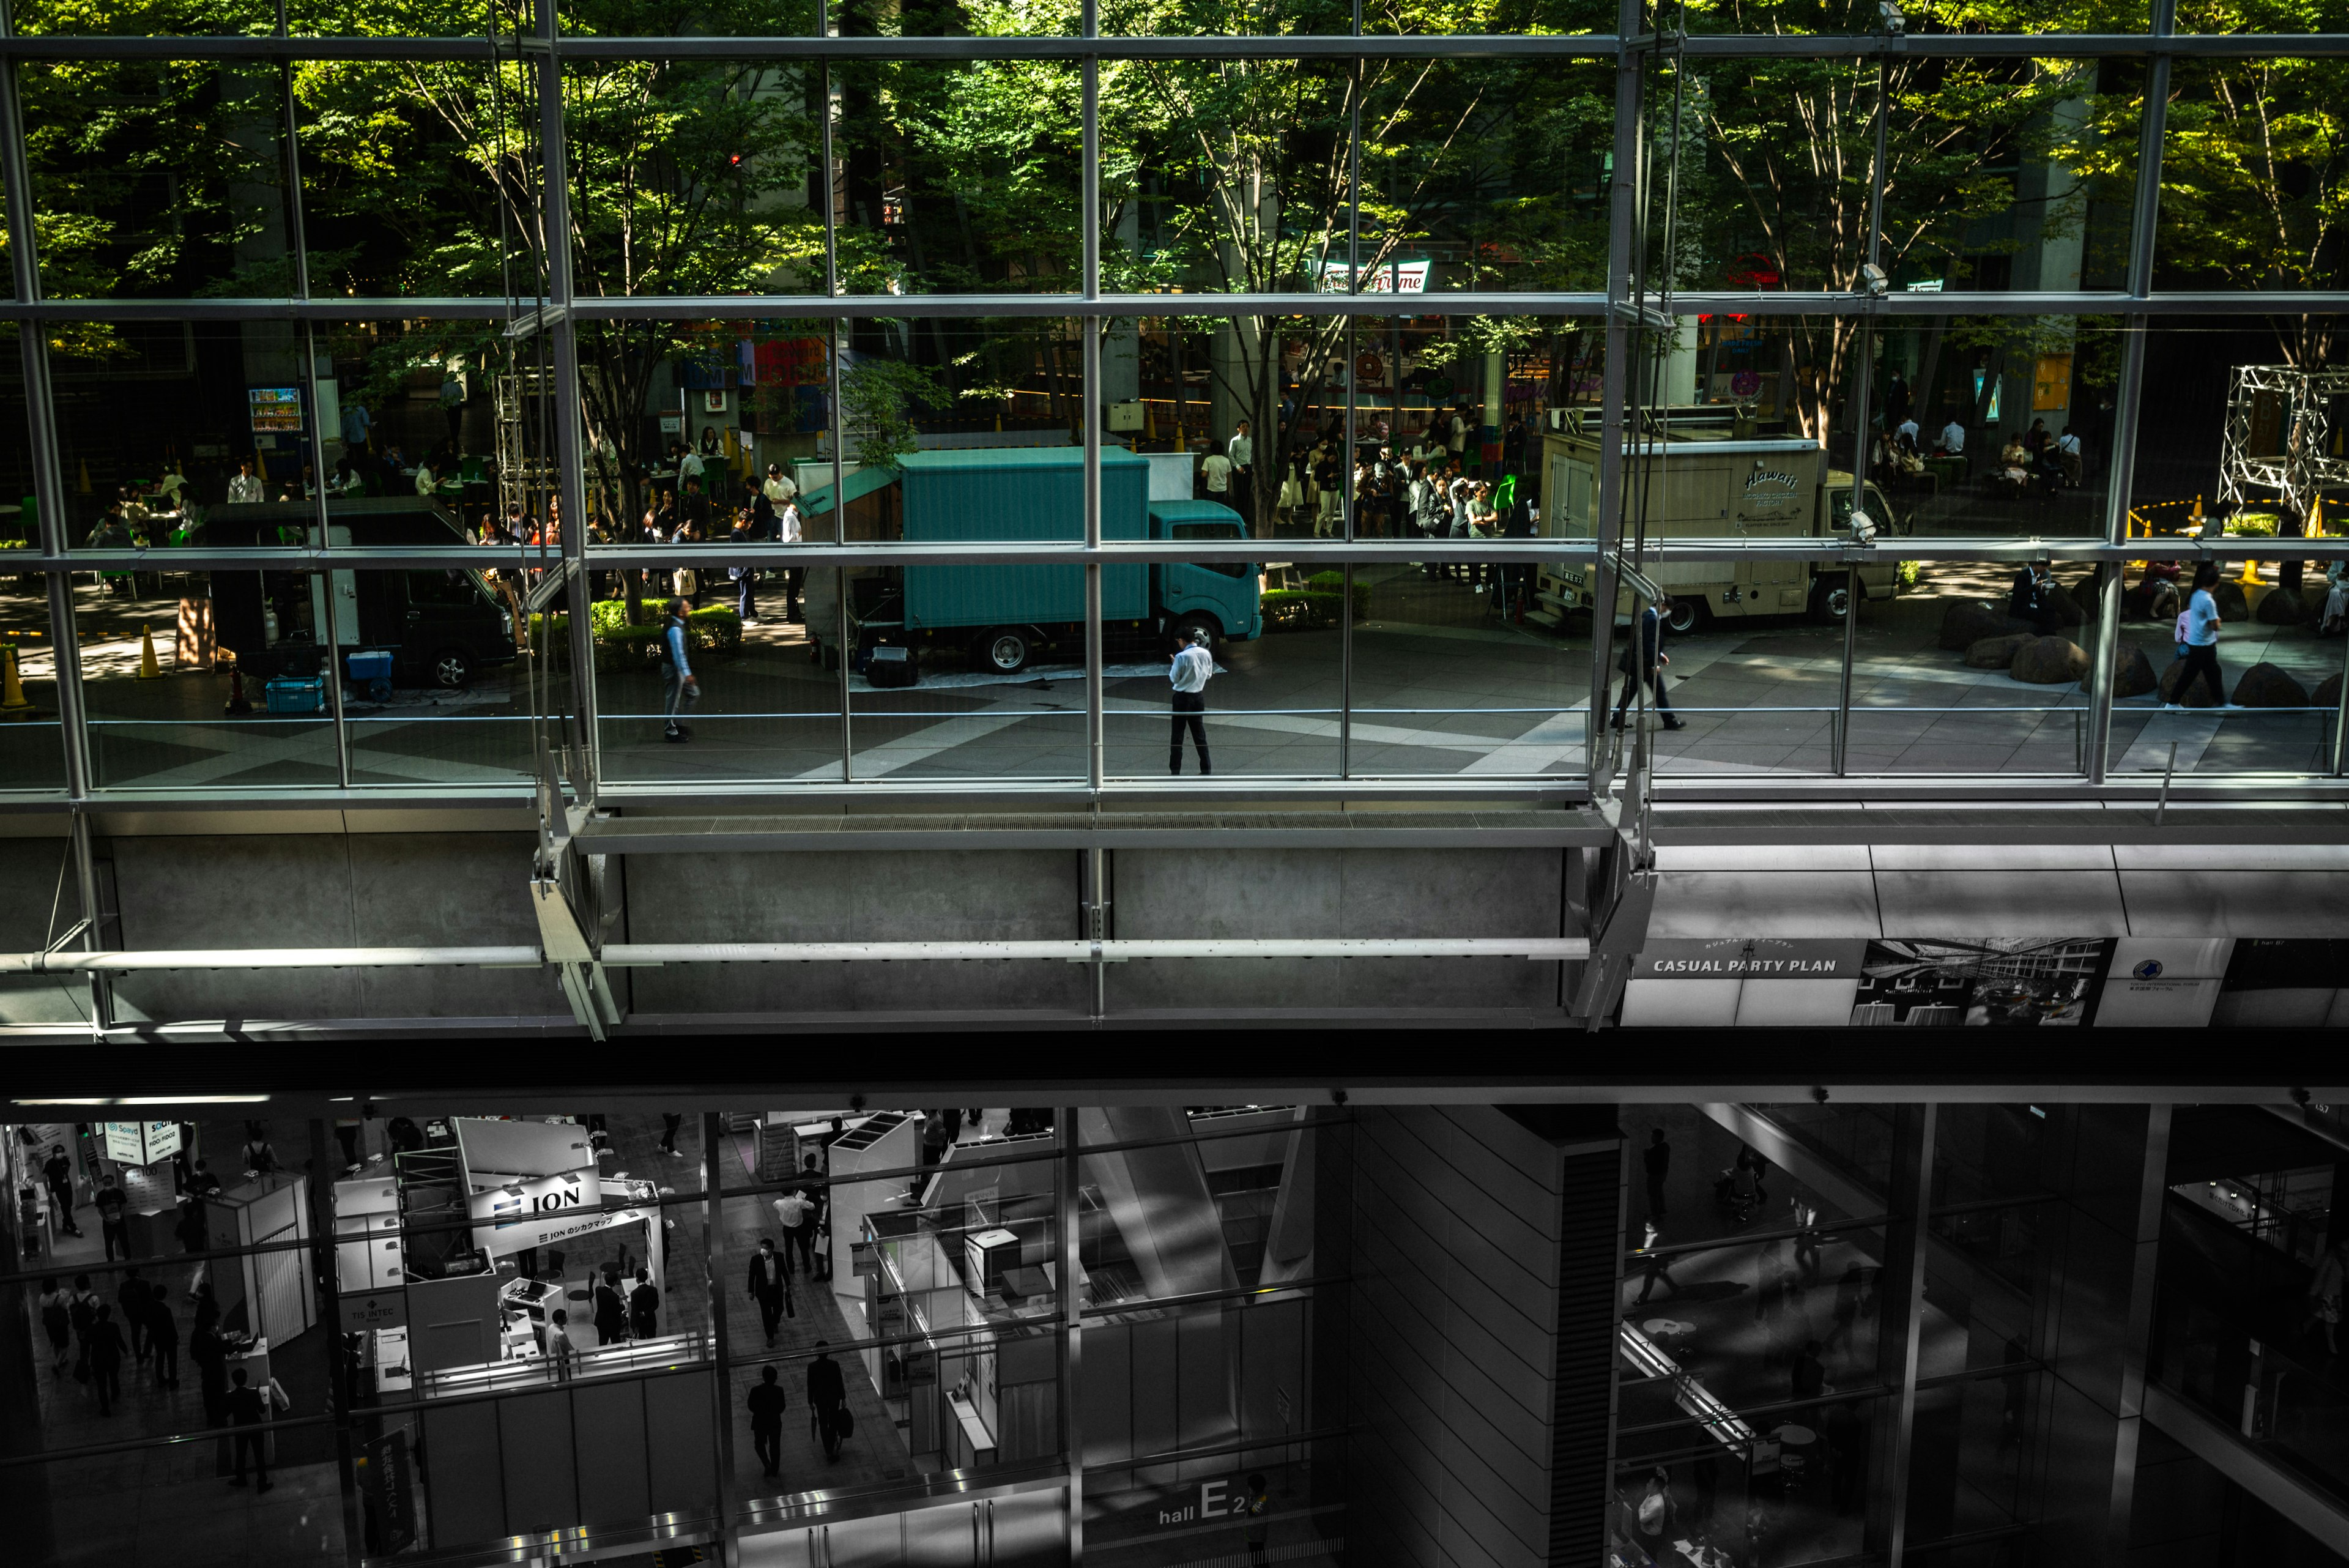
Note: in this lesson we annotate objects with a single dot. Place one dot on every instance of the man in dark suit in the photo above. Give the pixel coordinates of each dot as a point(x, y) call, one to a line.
point(828, 1398)
point(106, 1353)
point(770, 1287)
point(244, 1407)
point(765, 1402)
point(162, 1339)
point(611, 1309)
point(644, 1306)
point(1642, 662)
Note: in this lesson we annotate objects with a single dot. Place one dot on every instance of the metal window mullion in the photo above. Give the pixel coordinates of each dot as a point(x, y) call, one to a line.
point(1346, 467)
point(1068, 1172)
point(1622, 221)
point(49, 500)
point(1862, 369)
point(2129, 401)
point(1091, 375)
point(1913, 1205)
point(839, 418)
point(569, 480)
point(713, 1252)
point(323, 1266)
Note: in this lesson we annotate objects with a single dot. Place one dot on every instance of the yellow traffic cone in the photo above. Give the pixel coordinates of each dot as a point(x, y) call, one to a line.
point(148, 668)
point(12, 687)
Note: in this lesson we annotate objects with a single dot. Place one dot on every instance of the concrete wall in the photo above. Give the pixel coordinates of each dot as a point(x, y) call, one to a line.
point(327, 890)
point(322, 879)
point(1336, 893)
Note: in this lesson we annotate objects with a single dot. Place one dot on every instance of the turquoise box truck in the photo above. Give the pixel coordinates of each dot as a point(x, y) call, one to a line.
point(1003, 617)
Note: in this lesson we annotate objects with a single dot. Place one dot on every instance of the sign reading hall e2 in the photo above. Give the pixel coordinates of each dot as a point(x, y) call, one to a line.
point(1215, 1500)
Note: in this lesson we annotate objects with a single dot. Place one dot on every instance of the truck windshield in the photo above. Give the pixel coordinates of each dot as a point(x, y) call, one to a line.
point(1213, 531)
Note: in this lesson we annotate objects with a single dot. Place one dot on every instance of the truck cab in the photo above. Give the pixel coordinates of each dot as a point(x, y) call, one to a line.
point(1223, 594)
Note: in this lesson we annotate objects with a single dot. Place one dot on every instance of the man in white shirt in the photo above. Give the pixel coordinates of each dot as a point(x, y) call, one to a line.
point(778, 487)
point(1459, 436)
point(1953, 439)
point(1907, 430)
point(1241, 449)
point(1194, 664)
point(689, 466)
point(1216, 469)
point(243, 488)
point(427, 484)
point(2069, 453)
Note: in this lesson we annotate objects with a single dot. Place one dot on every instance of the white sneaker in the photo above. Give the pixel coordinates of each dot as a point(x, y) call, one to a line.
point(2171, 708)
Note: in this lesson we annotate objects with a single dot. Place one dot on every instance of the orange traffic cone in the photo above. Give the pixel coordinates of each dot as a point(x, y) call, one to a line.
point(236, 703)
point(149, 669)
point(12, 686)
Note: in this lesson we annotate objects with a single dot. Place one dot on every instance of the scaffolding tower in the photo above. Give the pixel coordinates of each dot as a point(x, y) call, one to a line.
point(2284, 433)
point(526, 472)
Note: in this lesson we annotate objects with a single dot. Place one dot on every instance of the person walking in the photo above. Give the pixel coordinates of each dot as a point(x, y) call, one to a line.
point(204, 1348)
point(1259, 1533)
point(1241, 451)
point(765, 1402)
point(1216, 473)
point(245, 1404)
point(1642, 663)
point(2202, 621)
point(57, 1320)
point(106, 1353)
point(1658, 1158)
point(1657, 1266)
point(1193, 666)
point(796, 1214)
point(670, 1122)
point(81, 1312)
point(644, 1306)
point(2325, 1289)
point(57, 1173)
point(827, 1395)
point(131, 1297)
point(611, 1308)
point(680, 690)
point(745, 577)
point(113, 1207)
point(560, 1352)
point(770, 1287)
point(162, 1339)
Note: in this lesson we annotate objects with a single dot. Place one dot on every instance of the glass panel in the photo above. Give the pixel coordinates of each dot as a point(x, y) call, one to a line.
point(958, 179)
point(405, 168)
point(238, 693)
point(68, 19)
point(1776, 1490)
point(187, 1509)
point(1269, 704)
point(34, 757)
point(436, 677)
point(1451, 674)
point(1773, 187)
point(2013, 699)
point(726, 19)
point(2031, 401)
point(178, 191)
point(690, 177)
point(2258, 455)
point(2250, 188)
point(996, 655)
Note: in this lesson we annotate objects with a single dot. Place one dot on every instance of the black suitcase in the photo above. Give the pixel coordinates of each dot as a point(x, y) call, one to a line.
point(892, 667)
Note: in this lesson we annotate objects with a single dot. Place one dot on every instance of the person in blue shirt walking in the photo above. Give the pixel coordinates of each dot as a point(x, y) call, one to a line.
point(1642, 661)
point(679, 690)
point(2203, 624)
point(1194, 664)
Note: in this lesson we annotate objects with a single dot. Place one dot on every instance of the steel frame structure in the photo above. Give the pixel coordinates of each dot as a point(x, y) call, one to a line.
point(1635, 316)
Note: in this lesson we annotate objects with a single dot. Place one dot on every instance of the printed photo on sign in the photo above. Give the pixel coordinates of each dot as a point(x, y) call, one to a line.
point(2000, 983)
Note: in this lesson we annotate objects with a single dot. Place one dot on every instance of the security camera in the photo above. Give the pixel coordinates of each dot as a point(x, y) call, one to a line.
point(1895, 23)
point(1862, 528)
point(1872, 281)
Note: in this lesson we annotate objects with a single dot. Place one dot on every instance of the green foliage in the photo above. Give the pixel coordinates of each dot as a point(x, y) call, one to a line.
point(620, 647)
point(2253, 525)
point(880, 396)
point(1907, 575)
point(1295, 609)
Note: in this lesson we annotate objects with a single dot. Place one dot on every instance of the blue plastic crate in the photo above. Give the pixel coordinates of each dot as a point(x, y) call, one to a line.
point(307, 696)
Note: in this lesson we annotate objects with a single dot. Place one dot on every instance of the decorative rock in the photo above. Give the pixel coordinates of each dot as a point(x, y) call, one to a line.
point(2171, 674)
point(2265, 686)
point(2228, 595)
point(2063, 606)
point(2135, 677)
point(1997, 652)
point(2278, 608)
point(2327, 693)
point(2048, 662)
point(1968, 622)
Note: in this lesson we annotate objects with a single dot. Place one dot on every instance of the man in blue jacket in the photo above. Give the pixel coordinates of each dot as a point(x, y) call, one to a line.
point(1642, 661)
point(679, 690)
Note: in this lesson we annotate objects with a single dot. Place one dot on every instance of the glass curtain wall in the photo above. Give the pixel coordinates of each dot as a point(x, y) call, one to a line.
point(1671, 297)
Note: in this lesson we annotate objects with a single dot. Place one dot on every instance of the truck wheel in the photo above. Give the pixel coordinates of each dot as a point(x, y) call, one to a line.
point(1685, 616)
point(453, 669)
point(1186, 625)
point(1004, 651)
point(1831, 600)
